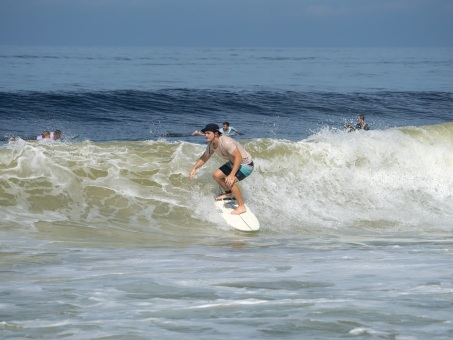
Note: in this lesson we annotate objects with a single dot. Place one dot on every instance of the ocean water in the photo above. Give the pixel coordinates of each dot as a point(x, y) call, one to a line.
point(104, 236)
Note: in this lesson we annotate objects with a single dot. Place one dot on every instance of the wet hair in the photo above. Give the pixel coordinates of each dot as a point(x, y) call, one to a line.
point(226, 123)
point(362, 117)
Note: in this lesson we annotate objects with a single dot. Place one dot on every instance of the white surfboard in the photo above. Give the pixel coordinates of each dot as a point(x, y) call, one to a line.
point(243, 222)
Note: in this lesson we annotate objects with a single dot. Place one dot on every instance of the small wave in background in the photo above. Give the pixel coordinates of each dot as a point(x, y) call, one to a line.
point(131, 115)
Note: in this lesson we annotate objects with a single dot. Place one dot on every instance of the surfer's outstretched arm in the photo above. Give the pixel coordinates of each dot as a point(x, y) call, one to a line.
point(203, 159)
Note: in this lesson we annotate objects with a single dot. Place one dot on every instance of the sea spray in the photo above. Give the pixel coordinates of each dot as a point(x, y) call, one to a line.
point(377, 179)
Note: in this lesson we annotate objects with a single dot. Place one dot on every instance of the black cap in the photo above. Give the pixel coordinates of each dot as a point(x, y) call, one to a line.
point(212, 128)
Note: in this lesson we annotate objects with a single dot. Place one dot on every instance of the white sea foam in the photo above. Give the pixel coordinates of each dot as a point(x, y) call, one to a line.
point(376, 180)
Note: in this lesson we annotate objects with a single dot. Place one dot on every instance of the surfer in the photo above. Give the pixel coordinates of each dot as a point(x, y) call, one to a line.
point(361, 124)
point(239, 165)
point(226, 130)
point(57, 135)
point(44, 136)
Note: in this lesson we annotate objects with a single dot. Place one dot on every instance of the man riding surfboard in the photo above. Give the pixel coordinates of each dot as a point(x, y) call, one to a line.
point(239, 165)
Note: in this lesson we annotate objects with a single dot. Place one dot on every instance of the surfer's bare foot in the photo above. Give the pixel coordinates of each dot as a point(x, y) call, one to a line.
point(239, 210)
point(223, 196)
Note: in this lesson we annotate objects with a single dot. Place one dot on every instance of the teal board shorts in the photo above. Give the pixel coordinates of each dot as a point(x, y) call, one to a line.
point(243, 171)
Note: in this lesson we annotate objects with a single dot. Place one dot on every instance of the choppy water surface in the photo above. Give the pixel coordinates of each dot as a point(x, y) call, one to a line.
point(103, 235)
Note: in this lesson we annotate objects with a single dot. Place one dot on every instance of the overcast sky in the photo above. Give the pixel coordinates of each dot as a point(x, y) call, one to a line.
point(228, 23)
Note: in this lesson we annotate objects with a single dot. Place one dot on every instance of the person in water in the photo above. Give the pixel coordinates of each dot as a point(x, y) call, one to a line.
point(44, 136)
point(239, 165)
point(361, 124)
point(57, 135)
point(226, 130)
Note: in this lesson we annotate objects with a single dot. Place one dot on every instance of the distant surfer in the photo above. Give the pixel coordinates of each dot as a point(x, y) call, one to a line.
point(44, 136)
point(361, 124)
point(239, 165)
point(226, 130)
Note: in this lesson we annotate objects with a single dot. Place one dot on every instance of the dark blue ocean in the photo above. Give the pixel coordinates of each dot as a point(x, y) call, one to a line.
point(128, 94)
point(103, 235)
